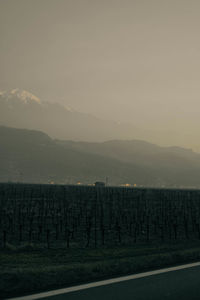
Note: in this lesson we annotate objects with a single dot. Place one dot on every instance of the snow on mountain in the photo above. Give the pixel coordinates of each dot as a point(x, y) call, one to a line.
point(21, 95)
point(26, 97)
point(21, 109)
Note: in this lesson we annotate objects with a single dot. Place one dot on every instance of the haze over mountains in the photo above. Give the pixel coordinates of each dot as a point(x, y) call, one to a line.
point(21, 109)
point(32, 156)
point(127, 61)
point(44, 142)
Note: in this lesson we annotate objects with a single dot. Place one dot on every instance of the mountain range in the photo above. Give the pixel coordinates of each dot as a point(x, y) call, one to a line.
point(21, 109)
point(32, 156)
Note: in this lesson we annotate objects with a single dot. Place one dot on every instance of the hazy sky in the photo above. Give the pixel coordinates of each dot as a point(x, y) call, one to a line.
point(136, 60)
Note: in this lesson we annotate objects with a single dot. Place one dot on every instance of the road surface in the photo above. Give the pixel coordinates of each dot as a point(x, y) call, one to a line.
point(182, 283)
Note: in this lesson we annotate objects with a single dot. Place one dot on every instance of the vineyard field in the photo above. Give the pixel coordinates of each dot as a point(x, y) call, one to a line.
point(89, 216)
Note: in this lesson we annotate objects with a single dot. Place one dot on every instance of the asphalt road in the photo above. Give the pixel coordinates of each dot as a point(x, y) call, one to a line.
point(181, 284)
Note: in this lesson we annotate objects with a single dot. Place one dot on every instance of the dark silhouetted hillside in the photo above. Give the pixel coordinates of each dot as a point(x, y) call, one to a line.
point(32, 156)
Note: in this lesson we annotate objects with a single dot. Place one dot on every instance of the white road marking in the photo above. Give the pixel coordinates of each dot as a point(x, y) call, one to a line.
point(104, 282)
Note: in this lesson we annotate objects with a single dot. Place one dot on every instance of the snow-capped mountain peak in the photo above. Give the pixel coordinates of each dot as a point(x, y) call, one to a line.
point(21, 95)
point(24, 96)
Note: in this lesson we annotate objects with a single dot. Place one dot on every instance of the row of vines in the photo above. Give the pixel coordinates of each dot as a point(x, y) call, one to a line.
point(81, 216)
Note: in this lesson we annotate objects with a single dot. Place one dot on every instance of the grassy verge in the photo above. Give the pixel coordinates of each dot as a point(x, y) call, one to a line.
point(31, 269)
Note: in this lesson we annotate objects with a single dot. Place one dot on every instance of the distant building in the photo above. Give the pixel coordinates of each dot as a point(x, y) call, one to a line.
point(99, 184)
